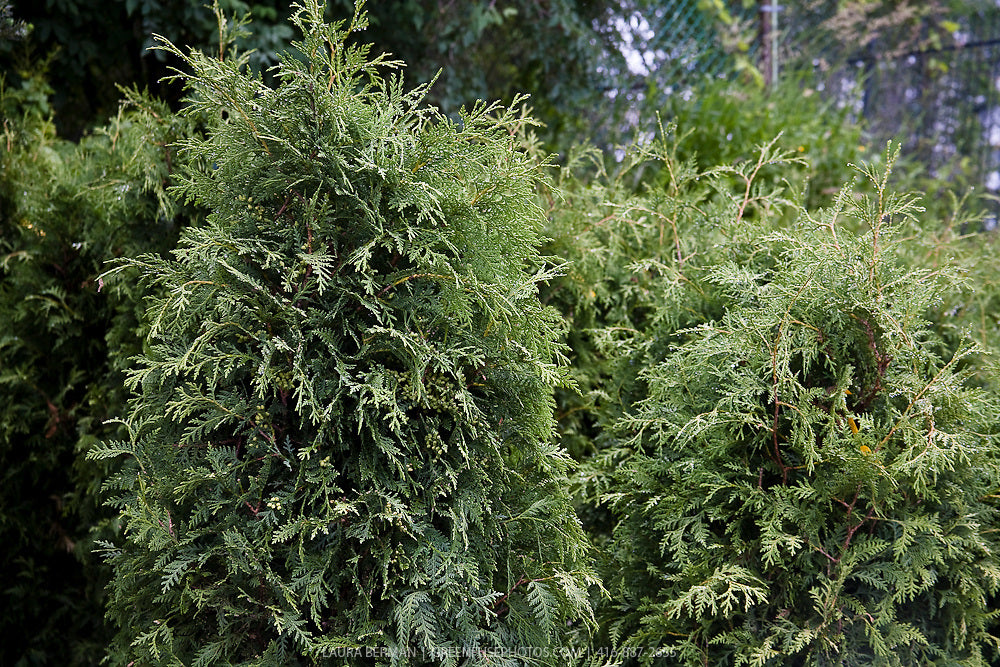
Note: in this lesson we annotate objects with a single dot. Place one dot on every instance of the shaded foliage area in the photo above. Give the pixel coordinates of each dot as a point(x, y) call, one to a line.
point(564, 53)
point(481, 50)
point(93, 48)
point(65, 209)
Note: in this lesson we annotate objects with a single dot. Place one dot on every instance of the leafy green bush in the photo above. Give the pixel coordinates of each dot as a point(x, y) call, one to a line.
point(65, 209)
point(648, 244)
point(341, 434)
point(640, 251)
point(809, 477)
point(638, 242)
point(638, 233)
point(721, 122)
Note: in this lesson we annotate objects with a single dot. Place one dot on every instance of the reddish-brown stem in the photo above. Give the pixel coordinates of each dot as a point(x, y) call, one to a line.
point(853, 529)
point(882, 361)
point(281, 210)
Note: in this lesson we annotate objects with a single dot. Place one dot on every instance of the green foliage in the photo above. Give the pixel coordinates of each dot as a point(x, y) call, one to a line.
point(10, 27)
point(640, 251)
point(345, 384)
point(341, 431)
point(973, 312)
point(65, 209)
point(639, 241)
point(97, 46)
point(809, 476)
point(639, 233)
point(722, 120)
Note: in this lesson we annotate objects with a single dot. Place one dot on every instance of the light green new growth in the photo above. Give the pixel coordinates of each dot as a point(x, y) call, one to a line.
point(810, 477)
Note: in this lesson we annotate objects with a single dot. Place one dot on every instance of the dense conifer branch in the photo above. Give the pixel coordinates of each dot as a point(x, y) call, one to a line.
point(344, 407)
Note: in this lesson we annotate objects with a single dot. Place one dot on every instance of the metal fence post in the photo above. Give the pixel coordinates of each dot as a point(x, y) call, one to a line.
point(769, 41)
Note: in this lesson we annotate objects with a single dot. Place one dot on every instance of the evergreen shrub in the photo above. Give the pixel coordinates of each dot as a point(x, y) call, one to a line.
point(340, 441)
point(638, 239)
point(65, 209)
point(809, 477)
point(661, 208)
point(722, 121)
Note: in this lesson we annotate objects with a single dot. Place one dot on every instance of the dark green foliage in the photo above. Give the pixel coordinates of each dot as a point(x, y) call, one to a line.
point(65, 209)
point(341, 433)
point(98, 45)
point(810, 476)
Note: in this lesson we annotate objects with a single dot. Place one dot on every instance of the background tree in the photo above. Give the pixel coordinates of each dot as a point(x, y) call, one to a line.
point(94, 47)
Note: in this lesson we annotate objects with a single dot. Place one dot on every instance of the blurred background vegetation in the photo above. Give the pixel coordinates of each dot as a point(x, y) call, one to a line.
point(921, 72)
point(589, 65)
point(83, 178)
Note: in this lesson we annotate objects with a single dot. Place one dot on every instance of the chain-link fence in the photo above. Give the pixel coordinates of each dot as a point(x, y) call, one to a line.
point(926, 74)
point(694, 41)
